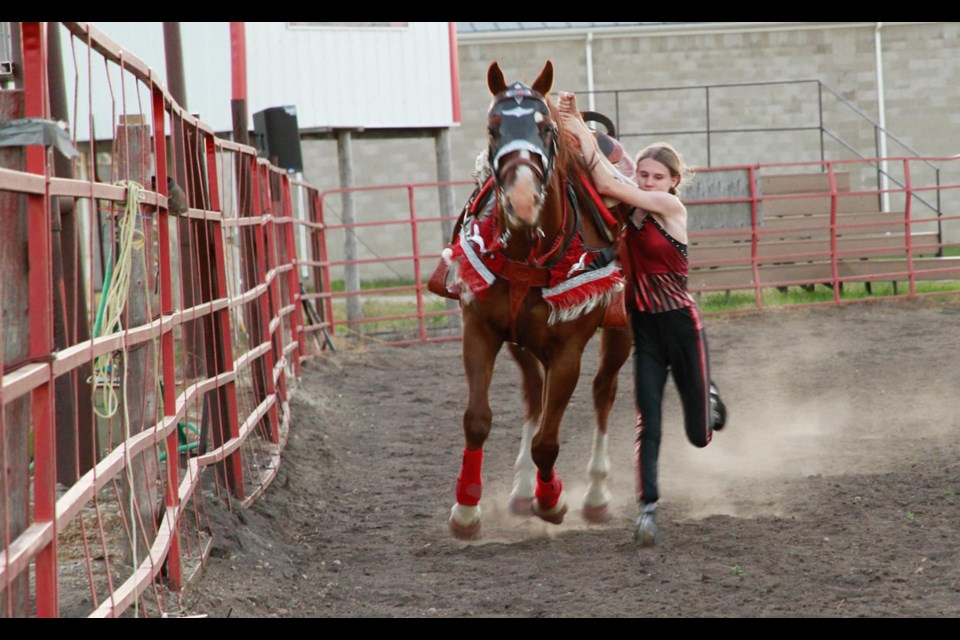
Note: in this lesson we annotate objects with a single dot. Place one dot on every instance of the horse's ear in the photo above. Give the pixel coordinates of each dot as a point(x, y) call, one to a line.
point(495, 80)
point(544, 81)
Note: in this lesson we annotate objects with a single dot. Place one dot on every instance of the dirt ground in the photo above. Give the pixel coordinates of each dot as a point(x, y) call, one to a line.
point(833, 491)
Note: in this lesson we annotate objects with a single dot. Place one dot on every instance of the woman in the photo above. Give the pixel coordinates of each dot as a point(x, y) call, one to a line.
point(668, 330)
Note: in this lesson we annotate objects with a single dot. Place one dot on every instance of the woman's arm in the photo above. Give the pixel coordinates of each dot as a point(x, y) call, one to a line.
point(604, 174)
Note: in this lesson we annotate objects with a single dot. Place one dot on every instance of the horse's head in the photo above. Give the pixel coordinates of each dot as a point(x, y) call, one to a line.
point(522, 146)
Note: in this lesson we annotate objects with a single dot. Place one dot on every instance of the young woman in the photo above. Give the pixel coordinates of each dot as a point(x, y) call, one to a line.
point(668, 330)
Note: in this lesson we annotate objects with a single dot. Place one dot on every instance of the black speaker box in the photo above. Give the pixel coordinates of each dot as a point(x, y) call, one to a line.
point(278, 136)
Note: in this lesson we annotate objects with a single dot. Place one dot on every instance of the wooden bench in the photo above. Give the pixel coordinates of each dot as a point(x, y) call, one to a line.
point(793, 245)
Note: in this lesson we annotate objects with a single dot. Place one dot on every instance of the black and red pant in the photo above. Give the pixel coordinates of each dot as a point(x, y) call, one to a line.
point(671, 342)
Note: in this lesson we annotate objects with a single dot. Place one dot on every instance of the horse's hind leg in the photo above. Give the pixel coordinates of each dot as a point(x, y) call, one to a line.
point(615, 347)
point(479, 355)
point(524, 471)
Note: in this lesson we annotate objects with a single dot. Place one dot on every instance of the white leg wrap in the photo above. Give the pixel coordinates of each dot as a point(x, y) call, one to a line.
point(524, 471)
point(465, 516)
point(598, 470)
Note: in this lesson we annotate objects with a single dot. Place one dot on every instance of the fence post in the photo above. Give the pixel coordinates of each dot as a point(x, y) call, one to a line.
point(15, 325)
point(76, 432)
point(168, 358)
point(270, 238)
point(248, 259)
point(220, 353)
point(138, 375)
point(351, 271)
point(41, 312)
point(293, 277)
point(264, 298)
point(447, 208)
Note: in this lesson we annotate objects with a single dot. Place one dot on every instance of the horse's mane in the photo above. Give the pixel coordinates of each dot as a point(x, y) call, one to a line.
point(569, 164)
point(568, 159)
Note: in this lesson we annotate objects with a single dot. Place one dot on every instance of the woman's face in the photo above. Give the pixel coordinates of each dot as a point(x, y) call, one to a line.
point(653, 175)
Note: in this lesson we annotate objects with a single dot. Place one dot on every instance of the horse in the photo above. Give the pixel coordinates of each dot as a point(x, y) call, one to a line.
point(534, 266)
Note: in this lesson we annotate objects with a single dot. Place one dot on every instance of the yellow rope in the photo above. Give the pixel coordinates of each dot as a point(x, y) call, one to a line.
point(130, 238)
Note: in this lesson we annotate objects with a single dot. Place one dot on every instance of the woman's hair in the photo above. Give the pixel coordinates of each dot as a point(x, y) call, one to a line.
point(665, 154)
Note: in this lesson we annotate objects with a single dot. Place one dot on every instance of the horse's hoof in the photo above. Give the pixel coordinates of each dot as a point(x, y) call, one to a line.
point(597, 514)
point(553, 515)
point(465, 532)
point(465, 521)
point(521, 506)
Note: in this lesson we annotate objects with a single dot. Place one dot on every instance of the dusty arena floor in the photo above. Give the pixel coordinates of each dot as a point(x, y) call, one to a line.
point(833, 492)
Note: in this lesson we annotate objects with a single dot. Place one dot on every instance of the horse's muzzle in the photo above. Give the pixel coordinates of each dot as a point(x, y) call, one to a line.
point(522, 190)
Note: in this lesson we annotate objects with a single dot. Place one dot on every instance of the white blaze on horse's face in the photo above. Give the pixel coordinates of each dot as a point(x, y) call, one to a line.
point(522, 199)
point(520, 162)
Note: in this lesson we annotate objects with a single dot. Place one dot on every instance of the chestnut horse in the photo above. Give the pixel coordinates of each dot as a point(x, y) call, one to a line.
point(534, 267)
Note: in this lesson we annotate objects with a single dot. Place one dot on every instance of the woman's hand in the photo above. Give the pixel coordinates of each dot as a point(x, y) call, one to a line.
point(567, 103)
point(576, 128)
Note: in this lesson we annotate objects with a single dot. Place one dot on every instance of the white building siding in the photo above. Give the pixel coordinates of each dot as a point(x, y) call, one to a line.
point(336, 77)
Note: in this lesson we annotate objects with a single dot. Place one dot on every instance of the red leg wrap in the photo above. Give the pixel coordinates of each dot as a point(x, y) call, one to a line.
point(549, 492)
point(468, 482)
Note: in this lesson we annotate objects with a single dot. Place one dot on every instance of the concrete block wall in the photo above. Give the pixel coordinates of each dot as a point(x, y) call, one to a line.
point(921, 76)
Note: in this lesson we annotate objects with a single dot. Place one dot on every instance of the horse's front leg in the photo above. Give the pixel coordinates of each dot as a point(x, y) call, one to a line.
point(562, 375)
point(615, 347)
point(480, 348)
point(524, 471)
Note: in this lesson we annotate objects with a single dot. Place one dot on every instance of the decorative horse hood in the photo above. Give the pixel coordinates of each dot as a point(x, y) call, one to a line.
point(520, 113)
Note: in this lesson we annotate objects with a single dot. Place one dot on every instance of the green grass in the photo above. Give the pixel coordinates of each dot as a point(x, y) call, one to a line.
point(388, 306)
point(382, 306)
point(338, 286)
point(720, 301)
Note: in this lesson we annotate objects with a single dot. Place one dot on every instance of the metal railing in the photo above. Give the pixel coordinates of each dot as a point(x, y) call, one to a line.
point(827, 108)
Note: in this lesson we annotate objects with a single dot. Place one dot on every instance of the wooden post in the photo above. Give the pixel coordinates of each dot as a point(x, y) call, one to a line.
point(76, 432)
point(222, 356)
point(192, 361)
point(15, 323)
point(351, 272)
point(447, 205)
point(200, 255)
point(139, 374)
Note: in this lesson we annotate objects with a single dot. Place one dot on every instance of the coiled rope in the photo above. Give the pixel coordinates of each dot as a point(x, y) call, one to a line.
point(116, 288)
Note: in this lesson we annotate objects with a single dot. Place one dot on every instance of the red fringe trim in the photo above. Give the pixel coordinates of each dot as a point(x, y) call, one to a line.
point(597, 291)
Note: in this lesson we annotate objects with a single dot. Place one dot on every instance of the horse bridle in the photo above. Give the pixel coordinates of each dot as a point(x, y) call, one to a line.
point(518, 129)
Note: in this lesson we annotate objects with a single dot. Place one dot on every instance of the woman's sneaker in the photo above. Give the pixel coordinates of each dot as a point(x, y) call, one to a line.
point(646, 528)
point(718, 410)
